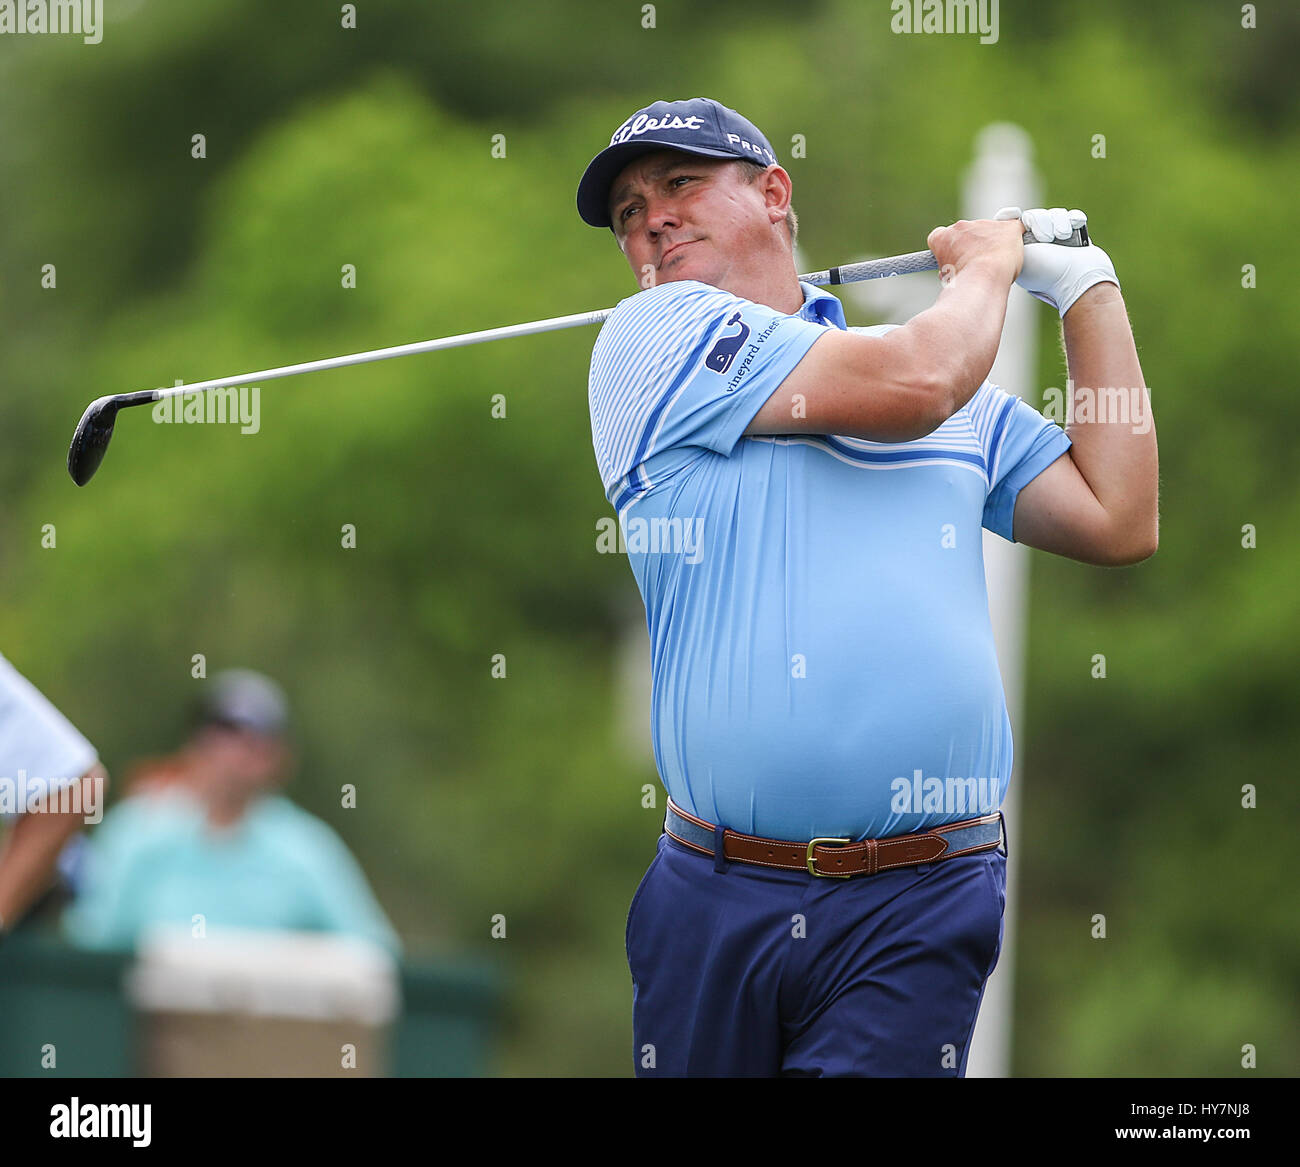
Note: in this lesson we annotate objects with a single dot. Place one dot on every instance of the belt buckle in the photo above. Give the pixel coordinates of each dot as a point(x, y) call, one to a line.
point(812, 863)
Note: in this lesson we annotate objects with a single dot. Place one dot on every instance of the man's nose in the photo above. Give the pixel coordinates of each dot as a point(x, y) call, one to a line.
point(661, 214)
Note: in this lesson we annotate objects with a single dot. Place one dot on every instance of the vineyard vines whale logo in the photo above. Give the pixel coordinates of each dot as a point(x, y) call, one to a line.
point(642, 124)
point(724, 352)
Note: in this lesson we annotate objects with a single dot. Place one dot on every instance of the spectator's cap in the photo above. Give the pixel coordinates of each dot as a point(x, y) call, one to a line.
point(698, 125)
point(243, 699)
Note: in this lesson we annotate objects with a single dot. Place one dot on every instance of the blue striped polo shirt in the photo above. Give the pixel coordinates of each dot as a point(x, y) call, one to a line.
point(822, 658)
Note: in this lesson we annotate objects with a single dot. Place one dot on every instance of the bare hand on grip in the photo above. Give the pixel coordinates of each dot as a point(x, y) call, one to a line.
point(987, 243)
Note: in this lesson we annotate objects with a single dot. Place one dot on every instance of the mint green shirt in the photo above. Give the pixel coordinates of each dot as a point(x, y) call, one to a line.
point(155, 859)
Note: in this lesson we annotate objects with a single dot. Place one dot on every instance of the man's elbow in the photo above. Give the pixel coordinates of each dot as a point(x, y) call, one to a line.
point(948, 392)
point(926, 391)
point(932, 401)
point(911, 409)
point(1133, 549)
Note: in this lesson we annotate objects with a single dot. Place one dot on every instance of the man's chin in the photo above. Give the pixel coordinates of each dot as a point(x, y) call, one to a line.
point(684, 271)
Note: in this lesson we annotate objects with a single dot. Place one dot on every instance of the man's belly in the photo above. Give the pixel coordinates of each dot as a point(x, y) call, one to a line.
point(830, 639)
point(788, 734)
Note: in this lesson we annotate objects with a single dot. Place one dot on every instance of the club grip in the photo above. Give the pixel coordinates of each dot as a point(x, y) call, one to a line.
point(1078, 239)
point(913, 261)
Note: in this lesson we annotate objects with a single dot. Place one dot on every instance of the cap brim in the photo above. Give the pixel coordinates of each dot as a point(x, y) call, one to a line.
point(593, 190)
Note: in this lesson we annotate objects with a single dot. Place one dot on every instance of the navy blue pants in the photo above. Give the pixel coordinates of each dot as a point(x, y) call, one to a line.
point(743, 971)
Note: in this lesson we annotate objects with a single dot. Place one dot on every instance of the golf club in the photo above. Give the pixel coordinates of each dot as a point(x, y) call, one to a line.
point(95, 429)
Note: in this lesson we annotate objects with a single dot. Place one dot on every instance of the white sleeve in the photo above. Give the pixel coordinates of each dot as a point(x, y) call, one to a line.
point(36, 741)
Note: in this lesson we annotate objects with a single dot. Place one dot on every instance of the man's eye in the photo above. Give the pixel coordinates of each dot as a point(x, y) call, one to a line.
point(625, 212)
point(683, 178)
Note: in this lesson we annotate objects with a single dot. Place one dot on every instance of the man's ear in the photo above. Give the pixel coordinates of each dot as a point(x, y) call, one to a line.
point(777, 191)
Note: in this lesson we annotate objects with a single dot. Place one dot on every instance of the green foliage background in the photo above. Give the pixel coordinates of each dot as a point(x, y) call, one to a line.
point(476, 536)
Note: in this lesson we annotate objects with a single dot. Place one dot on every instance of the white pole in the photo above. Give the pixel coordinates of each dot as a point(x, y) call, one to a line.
point(1001, 175)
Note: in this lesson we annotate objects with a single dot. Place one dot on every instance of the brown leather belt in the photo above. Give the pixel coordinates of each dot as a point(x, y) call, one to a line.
point(838, 858)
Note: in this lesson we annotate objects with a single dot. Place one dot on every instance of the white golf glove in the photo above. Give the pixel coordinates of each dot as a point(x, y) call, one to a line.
point(1059, 275)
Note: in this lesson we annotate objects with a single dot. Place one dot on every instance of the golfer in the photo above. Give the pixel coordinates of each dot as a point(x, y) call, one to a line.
point(803, 505)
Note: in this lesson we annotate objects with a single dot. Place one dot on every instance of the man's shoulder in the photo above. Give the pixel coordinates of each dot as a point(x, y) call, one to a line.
point(675, 296)
point(163, 812)
point(275, 814)
point(144, 829)
point(279, 810)
point(658, 329)
point(669, 304)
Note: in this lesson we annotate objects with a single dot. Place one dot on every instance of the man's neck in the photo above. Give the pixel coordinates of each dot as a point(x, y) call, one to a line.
point(224, 813)
point(785, 294)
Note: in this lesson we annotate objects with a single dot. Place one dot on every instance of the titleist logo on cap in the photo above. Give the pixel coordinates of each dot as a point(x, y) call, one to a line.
point(643, 124)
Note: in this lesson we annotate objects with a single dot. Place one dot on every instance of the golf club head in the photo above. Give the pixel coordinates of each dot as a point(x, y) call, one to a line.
point(95, 430)
point(90, 439)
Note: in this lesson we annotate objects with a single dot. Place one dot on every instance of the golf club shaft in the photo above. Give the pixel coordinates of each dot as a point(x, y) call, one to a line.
point(383, 354)
point(849, 273)
point(913, 261)
point(95, 429)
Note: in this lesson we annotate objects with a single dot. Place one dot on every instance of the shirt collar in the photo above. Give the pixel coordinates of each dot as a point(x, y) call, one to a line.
point(822, 307)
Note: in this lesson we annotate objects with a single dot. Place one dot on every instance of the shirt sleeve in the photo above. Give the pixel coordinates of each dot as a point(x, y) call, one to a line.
point(344, 902)
point(684, 368)
point(36, 741)
point(1019, 443)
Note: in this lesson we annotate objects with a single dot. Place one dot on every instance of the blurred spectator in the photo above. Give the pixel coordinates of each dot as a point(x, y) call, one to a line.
point(203, 834)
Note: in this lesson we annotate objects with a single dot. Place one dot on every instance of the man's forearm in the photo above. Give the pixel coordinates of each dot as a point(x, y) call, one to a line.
point(958, 337)
point(29, 854)
point(1110, 422)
